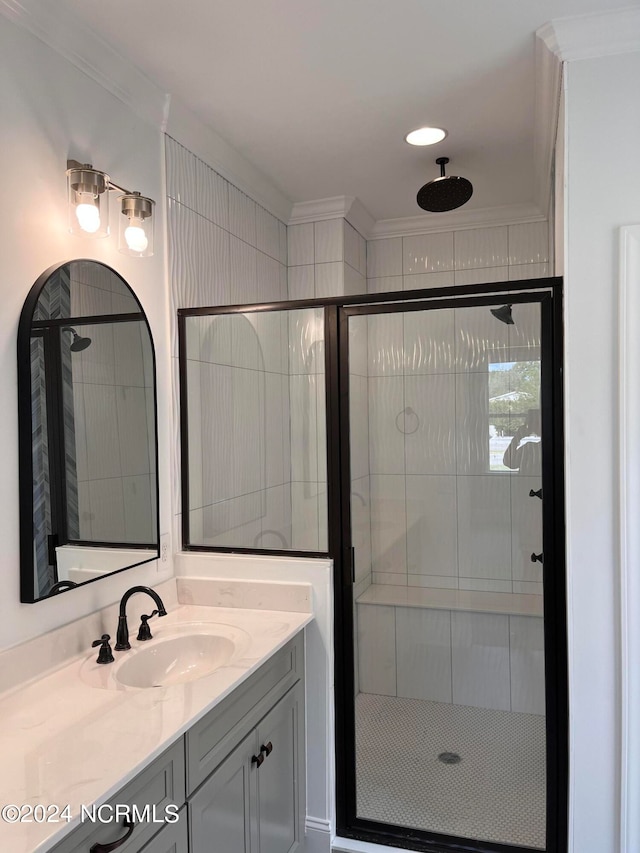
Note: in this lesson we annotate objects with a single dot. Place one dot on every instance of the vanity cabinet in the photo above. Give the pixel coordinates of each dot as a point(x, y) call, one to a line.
point(237, 775)
point(252, 801)
point(174, 838)
point(159, 785)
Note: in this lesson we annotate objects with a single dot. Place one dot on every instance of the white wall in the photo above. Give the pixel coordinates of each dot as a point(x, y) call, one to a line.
point(50, 112)
point(601, 95)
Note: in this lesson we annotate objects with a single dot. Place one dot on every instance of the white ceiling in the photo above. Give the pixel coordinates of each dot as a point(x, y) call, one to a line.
point(318, 94)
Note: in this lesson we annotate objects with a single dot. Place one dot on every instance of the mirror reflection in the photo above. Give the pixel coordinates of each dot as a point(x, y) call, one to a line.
point(88, 455)
point(253, 394)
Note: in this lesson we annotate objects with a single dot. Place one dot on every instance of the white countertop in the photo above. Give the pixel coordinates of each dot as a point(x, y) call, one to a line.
point(63, 741)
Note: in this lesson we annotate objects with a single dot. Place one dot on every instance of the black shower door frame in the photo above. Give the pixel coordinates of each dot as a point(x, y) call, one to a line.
point(547, 292)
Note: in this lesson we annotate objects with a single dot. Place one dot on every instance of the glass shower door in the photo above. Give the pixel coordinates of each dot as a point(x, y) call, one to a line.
point(446, 445)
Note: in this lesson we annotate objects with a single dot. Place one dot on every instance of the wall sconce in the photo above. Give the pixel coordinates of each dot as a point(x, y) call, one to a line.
point(88, 191)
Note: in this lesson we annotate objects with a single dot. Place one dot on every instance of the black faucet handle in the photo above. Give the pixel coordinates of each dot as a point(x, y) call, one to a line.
point(105, 655)
point(145, 632)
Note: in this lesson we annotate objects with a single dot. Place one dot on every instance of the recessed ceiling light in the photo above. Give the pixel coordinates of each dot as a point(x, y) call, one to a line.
point(425, 136)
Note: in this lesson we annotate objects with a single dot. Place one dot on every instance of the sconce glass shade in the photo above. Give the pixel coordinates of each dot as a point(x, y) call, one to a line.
point(135, 229)
point(88, 202)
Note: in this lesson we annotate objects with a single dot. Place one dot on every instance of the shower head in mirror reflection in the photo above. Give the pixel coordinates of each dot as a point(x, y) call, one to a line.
point(503, 314)
point(77, 343)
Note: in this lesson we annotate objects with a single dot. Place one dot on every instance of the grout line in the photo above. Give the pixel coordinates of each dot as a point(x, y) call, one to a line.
point(395, 650)
point(455, 455)
point(404, 449)
point(451, 649)
point(229, 232)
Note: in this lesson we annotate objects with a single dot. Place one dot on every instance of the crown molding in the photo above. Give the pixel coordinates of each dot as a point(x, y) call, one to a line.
point(340, 206)
point(593, 35)
point(81, 46)
point(459, 220)
point(360, 218)
point(319, 209)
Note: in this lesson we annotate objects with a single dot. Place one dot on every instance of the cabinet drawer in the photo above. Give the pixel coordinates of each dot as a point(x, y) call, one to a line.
point(213, 738)
point(161, 784)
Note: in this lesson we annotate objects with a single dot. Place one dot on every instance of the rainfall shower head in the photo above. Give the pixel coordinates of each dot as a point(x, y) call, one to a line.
point(444, 193)
point(503, 314)
point(78, 343)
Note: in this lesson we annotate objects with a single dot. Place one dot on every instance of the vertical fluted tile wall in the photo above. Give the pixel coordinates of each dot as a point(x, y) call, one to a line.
point(224, 249)
point(308, 430)
point(428, 415)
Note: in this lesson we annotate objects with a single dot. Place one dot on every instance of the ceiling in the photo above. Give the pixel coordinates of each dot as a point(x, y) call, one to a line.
point(318, 94)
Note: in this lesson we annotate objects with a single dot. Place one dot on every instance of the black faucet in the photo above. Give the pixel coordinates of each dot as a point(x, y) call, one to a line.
point(62, 586)
point(122, 636)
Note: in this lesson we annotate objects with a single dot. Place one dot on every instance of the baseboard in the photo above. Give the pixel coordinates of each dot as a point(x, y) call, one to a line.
point(350, 845)
point(317, 835)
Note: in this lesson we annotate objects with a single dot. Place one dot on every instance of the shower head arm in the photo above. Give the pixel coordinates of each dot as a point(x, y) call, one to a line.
point(442, 162)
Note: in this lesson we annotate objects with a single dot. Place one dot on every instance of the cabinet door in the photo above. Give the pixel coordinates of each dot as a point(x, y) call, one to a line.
point(174, 838)
point(220, 812)
point(279, 806)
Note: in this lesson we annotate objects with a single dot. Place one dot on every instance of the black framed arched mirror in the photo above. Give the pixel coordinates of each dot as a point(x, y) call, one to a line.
point(88, 448)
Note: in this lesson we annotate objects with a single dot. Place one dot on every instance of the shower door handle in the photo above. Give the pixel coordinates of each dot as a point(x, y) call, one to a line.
point(536, 558)
point(537, 494)
point(349, 571)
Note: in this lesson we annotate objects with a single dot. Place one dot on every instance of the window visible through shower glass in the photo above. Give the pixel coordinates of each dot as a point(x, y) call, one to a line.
point(256, 432)
point(444, 409)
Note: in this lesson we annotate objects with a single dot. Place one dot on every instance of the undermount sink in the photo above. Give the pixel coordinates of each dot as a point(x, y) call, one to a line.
point(176, 660)
point(181, 653)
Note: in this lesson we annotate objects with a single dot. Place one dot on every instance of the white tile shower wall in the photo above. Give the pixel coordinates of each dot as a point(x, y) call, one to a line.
point(326, 258)
point(224, 248)
point(359, 431)
point(472, 256)
point(420, 358)
point(112, 426)
point(239, 473)
point(480, 659)
point(307, 423)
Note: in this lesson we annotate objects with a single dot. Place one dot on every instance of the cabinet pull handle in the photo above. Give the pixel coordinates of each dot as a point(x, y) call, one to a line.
point(536, 557)
point(537, 494)
point(107, 848)
point(257, 759)
point(268, 748)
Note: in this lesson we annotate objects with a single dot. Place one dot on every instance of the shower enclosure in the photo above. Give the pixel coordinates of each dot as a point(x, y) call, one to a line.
point(451, 509)
point(441, 504)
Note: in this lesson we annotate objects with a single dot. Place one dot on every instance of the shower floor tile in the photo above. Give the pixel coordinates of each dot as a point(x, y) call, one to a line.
point(495, 793)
